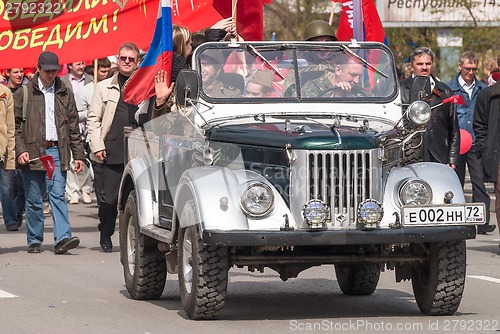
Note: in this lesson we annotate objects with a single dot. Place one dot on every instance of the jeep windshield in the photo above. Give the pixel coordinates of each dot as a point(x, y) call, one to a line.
point(308, 71)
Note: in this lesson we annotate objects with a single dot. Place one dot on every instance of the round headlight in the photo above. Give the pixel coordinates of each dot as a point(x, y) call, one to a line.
point(316, 213)
point(370, 212)
point(419, 112)
point(415, 192)
point(257, 199)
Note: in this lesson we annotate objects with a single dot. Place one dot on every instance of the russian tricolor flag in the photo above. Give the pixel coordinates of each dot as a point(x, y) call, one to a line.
point(159, 57)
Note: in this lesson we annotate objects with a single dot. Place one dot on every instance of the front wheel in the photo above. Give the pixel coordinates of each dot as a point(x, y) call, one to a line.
point(144, 266)
point(203, 270)
point(438, 283)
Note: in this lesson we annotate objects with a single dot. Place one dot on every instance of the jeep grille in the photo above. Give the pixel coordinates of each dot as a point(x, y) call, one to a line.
point(342, 179)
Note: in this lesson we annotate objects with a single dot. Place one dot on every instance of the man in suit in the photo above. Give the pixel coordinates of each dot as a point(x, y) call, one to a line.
point(107, 116)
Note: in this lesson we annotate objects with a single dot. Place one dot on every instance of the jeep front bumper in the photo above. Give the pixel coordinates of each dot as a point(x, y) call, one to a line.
point(338, 237)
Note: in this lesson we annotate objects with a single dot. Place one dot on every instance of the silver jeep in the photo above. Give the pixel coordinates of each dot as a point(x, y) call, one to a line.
point(306, 170)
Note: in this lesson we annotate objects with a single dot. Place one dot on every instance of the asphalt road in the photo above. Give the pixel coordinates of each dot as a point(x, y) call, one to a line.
point(84, 292)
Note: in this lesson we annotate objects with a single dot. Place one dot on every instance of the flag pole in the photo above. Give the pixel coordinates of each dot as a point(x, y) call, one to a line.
point(330, 21)
point(95, 72)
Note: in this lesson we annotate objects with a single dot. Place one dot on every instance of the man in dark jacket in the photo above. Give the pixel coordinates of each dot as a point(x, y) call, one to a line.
point(441, 140)
point(48, 126)
point(486, 129)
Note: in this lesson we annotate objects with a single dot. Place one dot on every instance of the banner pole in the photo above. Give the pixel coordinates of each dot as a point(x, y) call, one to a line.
point(95, 72)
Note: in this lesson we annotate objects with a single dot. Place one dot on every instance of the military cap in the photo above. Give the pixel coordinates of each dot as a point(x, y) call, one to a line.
point(263, 78)
point(215, 57)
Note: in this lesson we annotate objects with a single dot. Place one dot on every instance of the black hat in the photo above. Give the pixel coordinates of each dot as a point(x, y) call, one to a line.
point(48, 61)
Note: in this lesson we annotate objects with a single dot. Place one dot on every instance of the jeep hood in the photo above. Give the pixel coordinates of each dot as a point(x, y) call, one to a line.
point(310, 136)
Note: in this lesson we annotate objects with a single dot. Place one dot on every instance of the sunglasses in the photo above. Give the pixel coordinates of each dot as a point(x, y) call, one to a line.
point(124, 59)
point(468, 69)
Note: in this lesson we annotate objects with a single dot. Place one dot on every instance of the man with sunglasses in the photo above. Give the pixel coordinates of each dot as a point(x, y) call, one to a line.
point(466, 84)
point(107, 116)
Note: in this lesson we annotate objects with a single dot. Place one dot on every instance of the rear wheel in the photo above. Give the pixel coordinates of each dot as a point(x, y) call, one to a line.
point(357, 279)
point(144, 266)
point(438, 283)
point(203, 270)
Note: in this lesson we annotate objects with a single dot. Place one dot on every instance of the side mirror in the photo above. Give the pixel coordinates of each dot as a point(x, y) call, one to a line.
point(186, 86)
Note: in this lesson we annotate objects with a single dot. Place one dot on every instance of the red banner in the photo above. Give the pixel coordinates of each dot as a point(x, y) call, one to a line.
point(75, 30)
point(195, 14)
point(249, 16)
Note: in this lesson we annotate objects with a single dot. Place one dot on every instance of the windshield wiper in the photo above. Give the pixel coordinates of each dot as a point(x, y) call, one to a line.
point(346, 48)
point(256, 53)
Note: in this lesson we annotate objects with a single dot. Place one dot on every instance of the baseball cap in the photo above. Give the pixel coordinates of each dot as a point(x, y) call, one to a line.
point(48, 61)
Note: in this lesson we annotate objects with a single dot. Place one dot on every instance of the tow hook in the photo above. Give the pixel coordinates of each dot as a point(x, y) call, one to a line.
point(287, 224)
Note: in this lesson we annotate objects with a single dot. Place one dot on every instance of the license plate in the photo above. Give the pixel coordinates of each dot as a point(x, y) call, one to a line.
point(469, 214)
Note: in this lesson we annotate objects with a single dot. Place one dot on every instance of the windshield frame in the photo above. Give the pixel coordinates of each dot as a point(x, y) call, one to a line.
point(257, 49)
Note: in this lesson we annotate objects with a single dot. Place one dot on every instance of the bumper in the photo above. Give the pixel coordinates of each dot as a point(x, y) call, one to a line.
point(343, 237)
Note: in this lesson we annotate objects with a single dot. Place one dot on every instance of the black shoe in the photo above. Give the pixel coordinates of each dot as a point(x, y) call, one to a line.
point(484, 229)
point(107, 247)
point(34, 249)
point(12, 227)
point(66, 244)
point(19, 220)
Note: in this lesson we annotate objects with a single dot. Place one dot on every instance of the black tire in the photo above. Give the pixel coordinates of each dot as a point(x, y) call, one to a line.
point(203, 270)
point(358, 279)
point(413, 149)
point(438, 283)
point(144, 266)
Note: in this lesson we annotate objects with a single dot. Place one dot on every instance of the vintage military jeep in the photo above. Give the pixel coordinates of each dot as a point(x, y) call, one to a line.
point(305, 170)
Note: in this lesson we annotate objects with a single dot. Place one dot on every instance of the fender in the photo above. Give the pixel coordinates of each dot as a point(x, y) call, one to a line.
point(138, 176)
point(440, 177)
point(209, 186)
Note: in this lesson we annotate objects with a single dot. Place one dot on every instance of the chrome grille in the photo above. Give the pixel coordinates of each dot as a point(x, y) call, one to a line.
point(342, 179)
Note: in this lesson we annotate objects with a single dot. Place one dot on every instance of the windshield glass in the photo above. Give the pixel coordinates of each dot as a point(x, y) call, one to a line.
point(306, 71)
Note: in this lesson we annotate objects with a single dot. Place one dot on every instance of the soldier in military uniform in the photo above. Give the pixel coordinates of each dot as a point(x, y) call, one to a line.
point(341, 80)
point(215, 83)
point(316, 31)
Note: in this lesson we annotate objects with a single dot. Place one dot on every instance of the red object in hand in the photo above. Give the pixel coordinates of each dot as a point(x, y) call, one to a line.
point(465, 141)
point(455, 99)
point(48, 163)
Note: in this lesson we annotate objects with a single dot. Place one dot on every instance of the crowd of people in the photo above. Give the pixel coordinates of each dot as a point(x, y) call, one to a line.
point(78, 119)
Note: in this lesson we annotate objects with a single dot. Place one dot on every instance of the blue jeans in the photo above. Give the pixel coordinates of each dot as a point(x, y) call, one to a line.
point(7, 179)
point(33, 184)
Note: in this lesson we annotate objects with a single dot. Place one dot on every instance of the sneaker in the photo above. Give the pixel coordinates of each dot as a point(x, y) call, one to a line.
point(86, 198)
point(74, 200)
point(46, 210)
point(66, 244)
point(34, 249)
point(12, 227)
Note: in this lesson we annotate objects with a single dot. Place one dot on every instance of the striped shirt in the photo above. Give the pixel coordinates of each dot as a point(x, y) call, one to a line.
point(50, 122)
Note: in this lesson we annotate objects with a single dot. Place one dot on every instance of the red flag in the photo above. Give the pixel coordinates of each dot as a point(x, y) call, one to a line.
point(159, 57)
point(249, 16)
point(455, 99)
point(48, 163)
point(195, 14)
point(367, 18)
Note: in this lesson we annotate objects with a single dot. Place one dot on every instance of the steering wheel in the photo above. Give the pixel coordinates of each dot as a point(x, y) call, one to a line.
point(339, 92)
